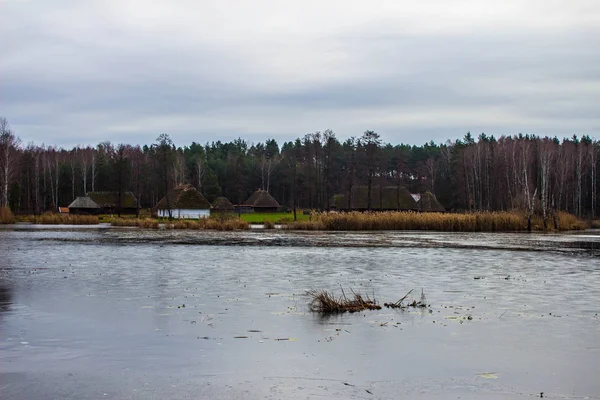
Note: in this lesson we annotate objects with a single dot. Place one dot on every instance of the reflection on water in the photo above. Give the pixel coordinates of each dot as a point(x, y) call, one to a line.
point(125, 313)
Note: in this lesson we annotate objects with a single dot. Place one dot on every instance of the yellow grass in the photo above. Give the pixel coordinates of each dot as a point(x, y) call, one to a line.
point(448, 222)
point(64, 219)
point(210, 223)
point(6, 216)
point(325, 302)
point(147, 223)
point(269, 224)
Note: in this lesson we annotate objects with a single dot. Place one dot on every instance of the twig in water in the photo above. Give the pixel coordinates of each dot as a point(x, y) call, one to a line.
point(503, 314)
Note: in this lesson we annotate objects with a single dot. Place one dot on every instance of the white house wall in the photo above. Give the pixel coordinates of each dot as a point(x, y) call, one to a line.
point(184, 213)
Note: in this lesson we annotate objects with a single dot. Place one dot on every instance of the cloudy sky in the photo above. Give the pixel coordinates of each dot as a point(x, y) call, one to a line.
point(84, 71)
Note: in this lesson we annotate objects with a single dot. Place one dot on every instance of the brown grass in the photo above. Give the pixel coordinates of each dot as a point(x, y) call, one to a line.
point(323, 301)
point(64, 219)
point(230, 224)
point(269, 224)
point(568, 222)
point(6, 216)
point(147, 223)
point(448, 222)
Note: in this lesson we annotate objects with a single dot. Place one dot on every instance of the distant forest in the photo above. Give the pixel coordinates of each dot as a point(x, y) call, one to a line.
point(471, 174)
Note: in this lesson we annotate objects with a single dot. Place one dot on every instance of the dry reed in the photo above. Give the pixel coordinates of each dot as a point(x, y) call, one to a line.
point(503, 221)
point(269, 224)
point(65, 219)
point(6, 216)
point(146, 223)
point(323, 301)
point(210, 224)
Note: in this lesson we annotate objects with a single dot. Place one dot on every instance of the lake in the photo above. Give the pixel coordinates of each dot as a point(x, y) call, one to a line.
point(120, 313)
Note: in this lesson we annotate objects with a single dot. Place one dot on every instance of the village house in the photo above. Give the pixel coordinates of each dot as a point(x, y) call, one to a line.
point(222, 205)
point(260, 201)
point(185, 202)
point(104, 203)
point(386, 198)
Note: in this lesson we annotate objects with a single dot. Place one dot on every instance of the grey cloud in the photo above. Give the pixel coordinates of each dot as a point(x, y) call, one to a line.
point(116, 82)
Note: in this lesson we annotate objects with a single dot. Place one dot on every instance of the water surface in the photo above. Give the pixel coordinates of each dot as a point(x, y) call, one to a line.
point(98, 312)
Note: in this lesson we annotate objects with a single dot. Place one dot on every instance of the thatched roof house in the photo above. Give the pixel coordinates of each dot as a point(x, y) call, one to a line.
point(261, 201)
point(382, 198)
point(429, 203)
point(222, 204)
point(84, 205)
point(109, 202)
point(185, 201)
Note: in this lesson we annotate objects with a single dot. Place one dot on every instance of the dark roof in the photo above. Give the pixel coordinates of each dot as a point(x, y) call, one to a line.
point(261, 199)
point(111, 199)
point(428, 202)
point(184, 197)
point(388, 198)
point(222, 204)
point(84, 202)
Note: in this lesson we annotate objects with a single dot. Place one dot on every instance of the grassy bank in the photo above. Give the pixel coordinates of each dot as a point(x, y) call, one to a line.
point(147, 223)
point(210, 223)
point(276, 218)
point(60, 219)
point(229, 224)
point(447, 222)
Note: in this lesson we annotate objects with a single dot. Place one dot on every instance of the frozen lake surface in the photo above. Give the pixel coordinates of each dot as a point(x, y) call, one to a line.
point(118, 313)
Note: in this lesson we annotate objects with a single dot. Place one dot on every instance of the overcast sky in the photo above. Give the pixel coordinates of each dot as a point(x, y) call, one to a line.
point(80, 72)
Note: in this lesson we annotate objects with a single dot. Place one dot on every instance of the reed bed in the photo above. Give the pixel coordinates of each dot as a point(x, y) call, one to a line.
point(326, 302)
point(6, 216)
point(146, 223)
point(210, 224)
point(569, 222)
point(447, 222)
point(64, 219)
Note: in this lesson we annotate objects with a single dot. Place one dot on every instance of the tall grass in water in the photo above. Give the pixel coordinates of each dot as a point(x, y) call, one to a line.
point(210, 223)
point(6, 216)
point(147, 223)
point(450, 222)
point(65, 219)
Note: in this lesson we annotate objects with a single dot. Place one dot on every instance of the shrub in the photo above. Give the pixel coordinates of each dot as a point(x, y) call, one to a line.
point(6, 216)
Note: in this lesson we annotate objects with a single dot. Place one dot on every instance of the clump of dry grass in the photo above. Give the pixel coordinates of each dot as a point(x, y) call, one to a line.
point(269, 224)
point(502, 221)
point(323, 301)
point(65, 219)
point(211, 224)
point(6, 216)
point(569, 222)
point(408, 301)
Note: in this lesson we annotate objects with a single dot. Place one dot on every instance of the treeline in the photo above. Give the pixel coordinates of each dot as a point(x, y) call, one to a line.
point(524, 172)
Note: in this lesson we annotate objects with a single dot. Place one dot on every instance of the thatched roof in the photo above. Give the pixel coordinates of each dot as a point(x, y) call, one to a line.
point(388, 198)
point(428, 202)
point(184, 197)
point(222, 204)
point(111, 199)
point(261, 199)
point(84, 202)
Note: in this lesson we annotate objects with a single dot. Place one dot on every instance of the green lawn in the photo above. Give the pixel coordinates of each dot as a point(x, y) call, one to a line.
point(259, 218)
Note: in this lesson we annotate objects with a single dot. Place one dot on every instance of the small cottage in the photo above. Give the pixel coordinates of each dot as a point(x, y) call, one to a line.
point(261, 201)
point(185, 202)
point(115, 202)
point(383, 198)
point(429, 203)
point(84, 205)
point(222, 205)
